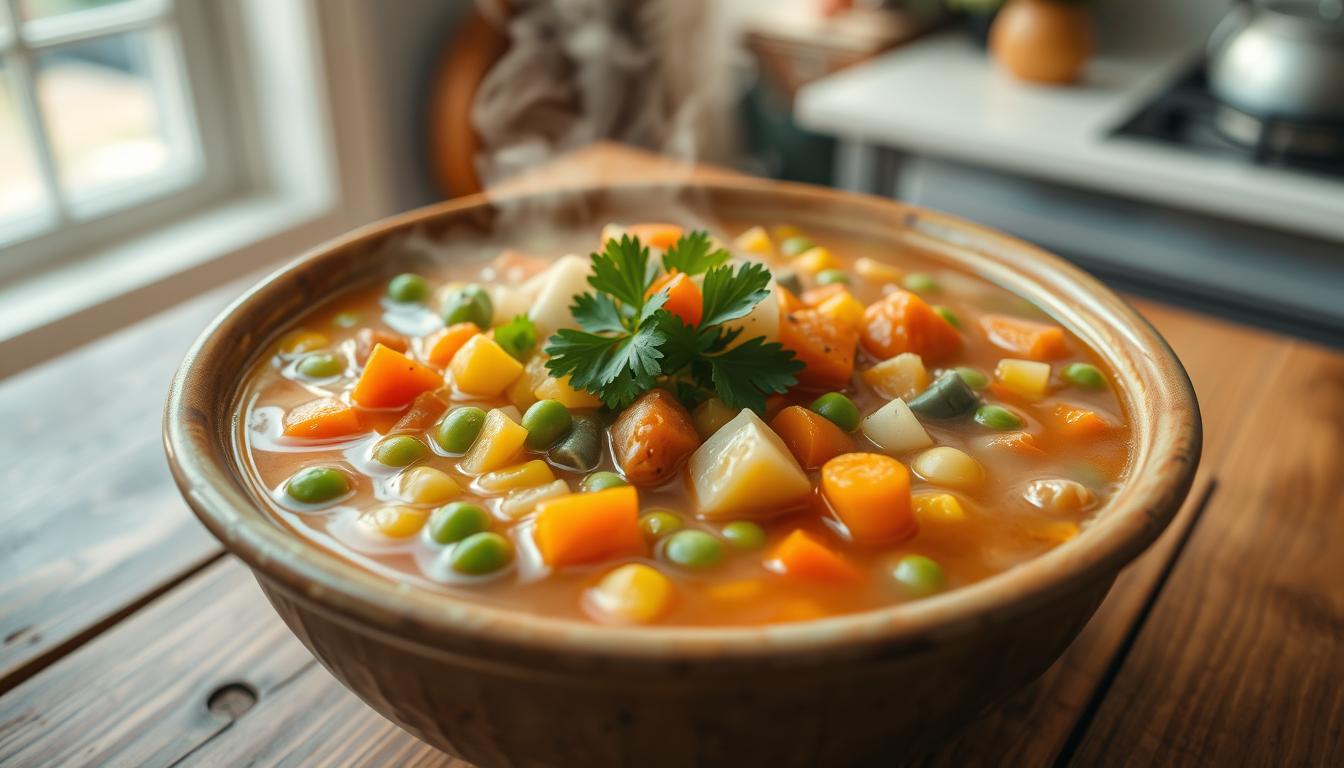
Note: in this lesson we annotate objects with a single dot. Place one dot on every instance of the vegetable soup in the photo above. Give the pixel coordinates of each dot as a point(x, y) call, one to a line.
point(678, 429)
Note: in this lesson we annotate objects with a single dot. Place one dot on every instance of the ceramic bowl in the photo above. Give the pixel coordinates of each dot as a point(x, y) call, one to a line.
point(503, 688)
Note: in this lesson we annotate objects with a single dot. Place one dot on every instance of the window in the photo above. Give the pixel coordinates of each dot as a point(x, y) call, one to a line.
point(96, 119)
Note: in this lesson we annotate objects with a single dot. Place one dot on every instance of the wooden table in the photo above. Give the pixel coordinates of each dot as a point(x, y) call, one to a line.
point(127, 636)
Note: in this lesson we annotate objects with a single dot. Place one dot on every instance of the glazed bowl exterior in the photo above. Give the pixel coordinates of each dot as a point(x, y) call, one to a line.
point(504, 688)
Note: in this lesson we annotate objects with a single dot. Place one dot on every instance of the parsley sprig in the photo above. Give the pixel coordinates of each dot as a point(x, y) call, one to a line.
point(630, 344)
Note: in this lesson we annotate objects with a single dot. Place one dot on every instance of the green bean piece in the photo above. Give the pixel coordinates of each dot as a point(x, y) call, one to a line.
point(948, 315)
point(399, 451)
point(831, 276)
point(796, 245)
point(973, 378)
point(838, 409)
point(920, 283)
point(693, 549)
point(946, 398)
point(1084, 375)
point(321, 365)
point(546, 421)
point(407, 287)
point(918, 575)
point(659, 522)
point(459, 429)
point(601, 481)
point(468, 304)
point(581, 448)
point(316, 485)
point(744, 534)
point(481, 553)
point(997, 417)
point(454, 522)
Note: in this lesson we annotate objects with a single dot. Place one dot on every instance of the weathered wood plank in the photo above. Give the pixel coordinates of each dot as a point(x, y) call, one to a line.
point(92, 523)
point(1241, 661)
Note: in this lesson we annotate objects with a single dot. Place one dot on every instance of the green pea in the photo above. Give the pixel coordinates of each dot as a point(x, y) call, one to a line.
point(997, 417)
point(829, 276)
point(399, 451)
point(796, 245)
point(481, 553)
point(920, 283)
point(973, 378)
point(693, 549)
point(918, 575)
point(456, 521)
point(659, 522)
point(838, 409)
point(320, 366)
point(518, 337)
point(546, 421)
point(468, 304)
point(459, 429)
point(407, 287)
point(948, 315)
point(346, 320)
point(744, 534)
point(315, 485)
point(601, 481)
point(1084, 375)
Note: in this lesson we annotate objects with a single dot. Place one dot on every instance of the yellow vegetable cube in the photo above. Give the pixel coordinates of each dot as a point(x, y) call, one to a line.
point(902, 376)
point(756, 240)
point(396, 521)
point(529, 474)
point(427, 485)
point(631, 594)
point(815, 259)
point(877, 272)
point(949, 467)
point(745, 470)
point(710, 415)
point(559, 389)
point(298, 342)
point(524, 500)
point(482, 367)
point(938, 508)
point(844, 308)
point(500, 442)
point(1028, 378)
point(520, 391)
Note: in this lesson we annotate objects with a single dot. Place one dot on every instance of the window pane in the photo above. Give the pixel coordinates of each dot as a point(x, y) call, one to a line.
point(21, 182)
point(99, 100)
point(41, 9)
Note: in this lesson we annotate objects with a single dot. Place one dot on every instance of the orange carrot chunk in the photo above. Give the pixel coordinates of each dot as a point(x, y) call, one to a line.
point(870, 493)
point(322, 420)
point(903, 322)
point(391, 379)
point(652, 437)
point(424, 411)
point(812, 438)
point(802, 557)
point(683, 296)
point(1027, 338)
point(589, 527)
point(440, 347)
point(368, 338)
point(656, 234)
point(824, 344)
point(818, 296)
point(1020, 443)
point(1079, 423)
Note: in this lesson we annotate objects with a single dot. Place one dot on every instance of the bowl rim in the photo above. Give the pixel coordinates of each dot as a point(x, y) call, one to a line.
point(1166, 449)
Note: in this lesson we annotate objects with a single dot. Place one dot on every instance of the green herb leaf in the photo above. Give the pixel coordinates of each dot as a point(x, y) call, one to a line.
point(518, 337)
point(597, 313)
point(691, 254)
point(729, 295)
point(615, 368)
point(622, 272)
point(745, 374)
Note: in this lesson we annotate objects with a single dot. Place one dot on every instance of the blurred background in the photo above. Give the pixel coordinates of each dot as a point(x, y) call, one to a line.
point(151, 150)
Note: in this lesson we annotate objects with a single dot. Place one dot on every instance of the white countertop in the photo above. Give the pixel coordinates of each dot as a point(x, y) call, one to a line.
point(942, 96)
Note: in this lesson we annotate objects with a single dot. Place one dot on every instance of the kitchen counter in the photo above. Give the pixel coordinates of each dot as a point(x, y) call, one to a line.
point(127, 635)
point(941, 96)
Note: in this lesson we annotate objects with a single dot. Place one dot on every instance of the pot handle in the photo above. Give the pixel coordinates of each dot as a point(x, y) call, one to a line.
point(1238, 17)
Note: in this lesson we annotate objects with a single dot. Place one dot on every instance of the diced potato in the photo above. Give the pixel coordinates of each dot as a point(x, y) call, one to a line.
point(567, 278)
point(902, 376)
point(745, 471)
point(895, 428)
point(877, 272)
point(529, 474)
point(814, 260)
point(949, 467)
point(559, 389)
point(1028, 378)
point(482, 367)
point(522, 391)
point(938, 508)
point(1059, 496)
point(427, 485)
point(522, 501)
point(508, 302)
point(710, 416)
point(756, 240)
point(762, 320)
point(843, 307)
point(396, 521)
point(631, 594)
point(500, 442)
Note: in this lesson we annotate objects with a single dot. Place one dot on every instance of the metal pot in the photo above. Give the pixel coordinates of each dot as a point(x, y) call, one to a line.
point(1281, 59)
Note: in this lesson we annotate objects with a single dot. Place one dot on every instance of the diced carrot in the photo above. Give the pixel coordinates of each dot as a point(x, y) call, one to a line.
point(391, 379)
point(589, 527)
point(824, 344)
point(1021, 443)
point(1079, 423)
point(813, 439)
point(1028, 338)
point(774, 404)
point(424, 411)
point(368, 338)
point(788, 300)
point(870, 493)
point(903, 322)
point(683, 296)
point(652, 437)
point(656, 234)
point(802, 557)
point(818, 296)
point(322, 419)
point(440, 347)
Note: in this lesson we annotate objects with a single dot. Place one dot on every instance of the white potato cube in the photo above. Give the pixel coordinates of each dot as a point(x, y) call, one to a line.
point(745, 471)
point(567, 278)
point(763, 320)
point(895, 428)
point(509, 302)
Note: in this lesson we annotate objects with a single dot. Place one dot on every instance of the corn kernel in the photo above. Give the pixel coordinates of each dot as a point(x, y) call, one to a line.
point(1025, 377)
point(396, 521)
point(632, 594)
point(737, 591)
point(298, 342)
point(755, 240)
point(949, 467)
point(427, 485)
point(844, 308)
point(877, 272)
point(529, 474)
point(482, 367)
point(815, 259)
point(500, 442)
point(902, 376)
point(938, 508)
point(559, 389)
